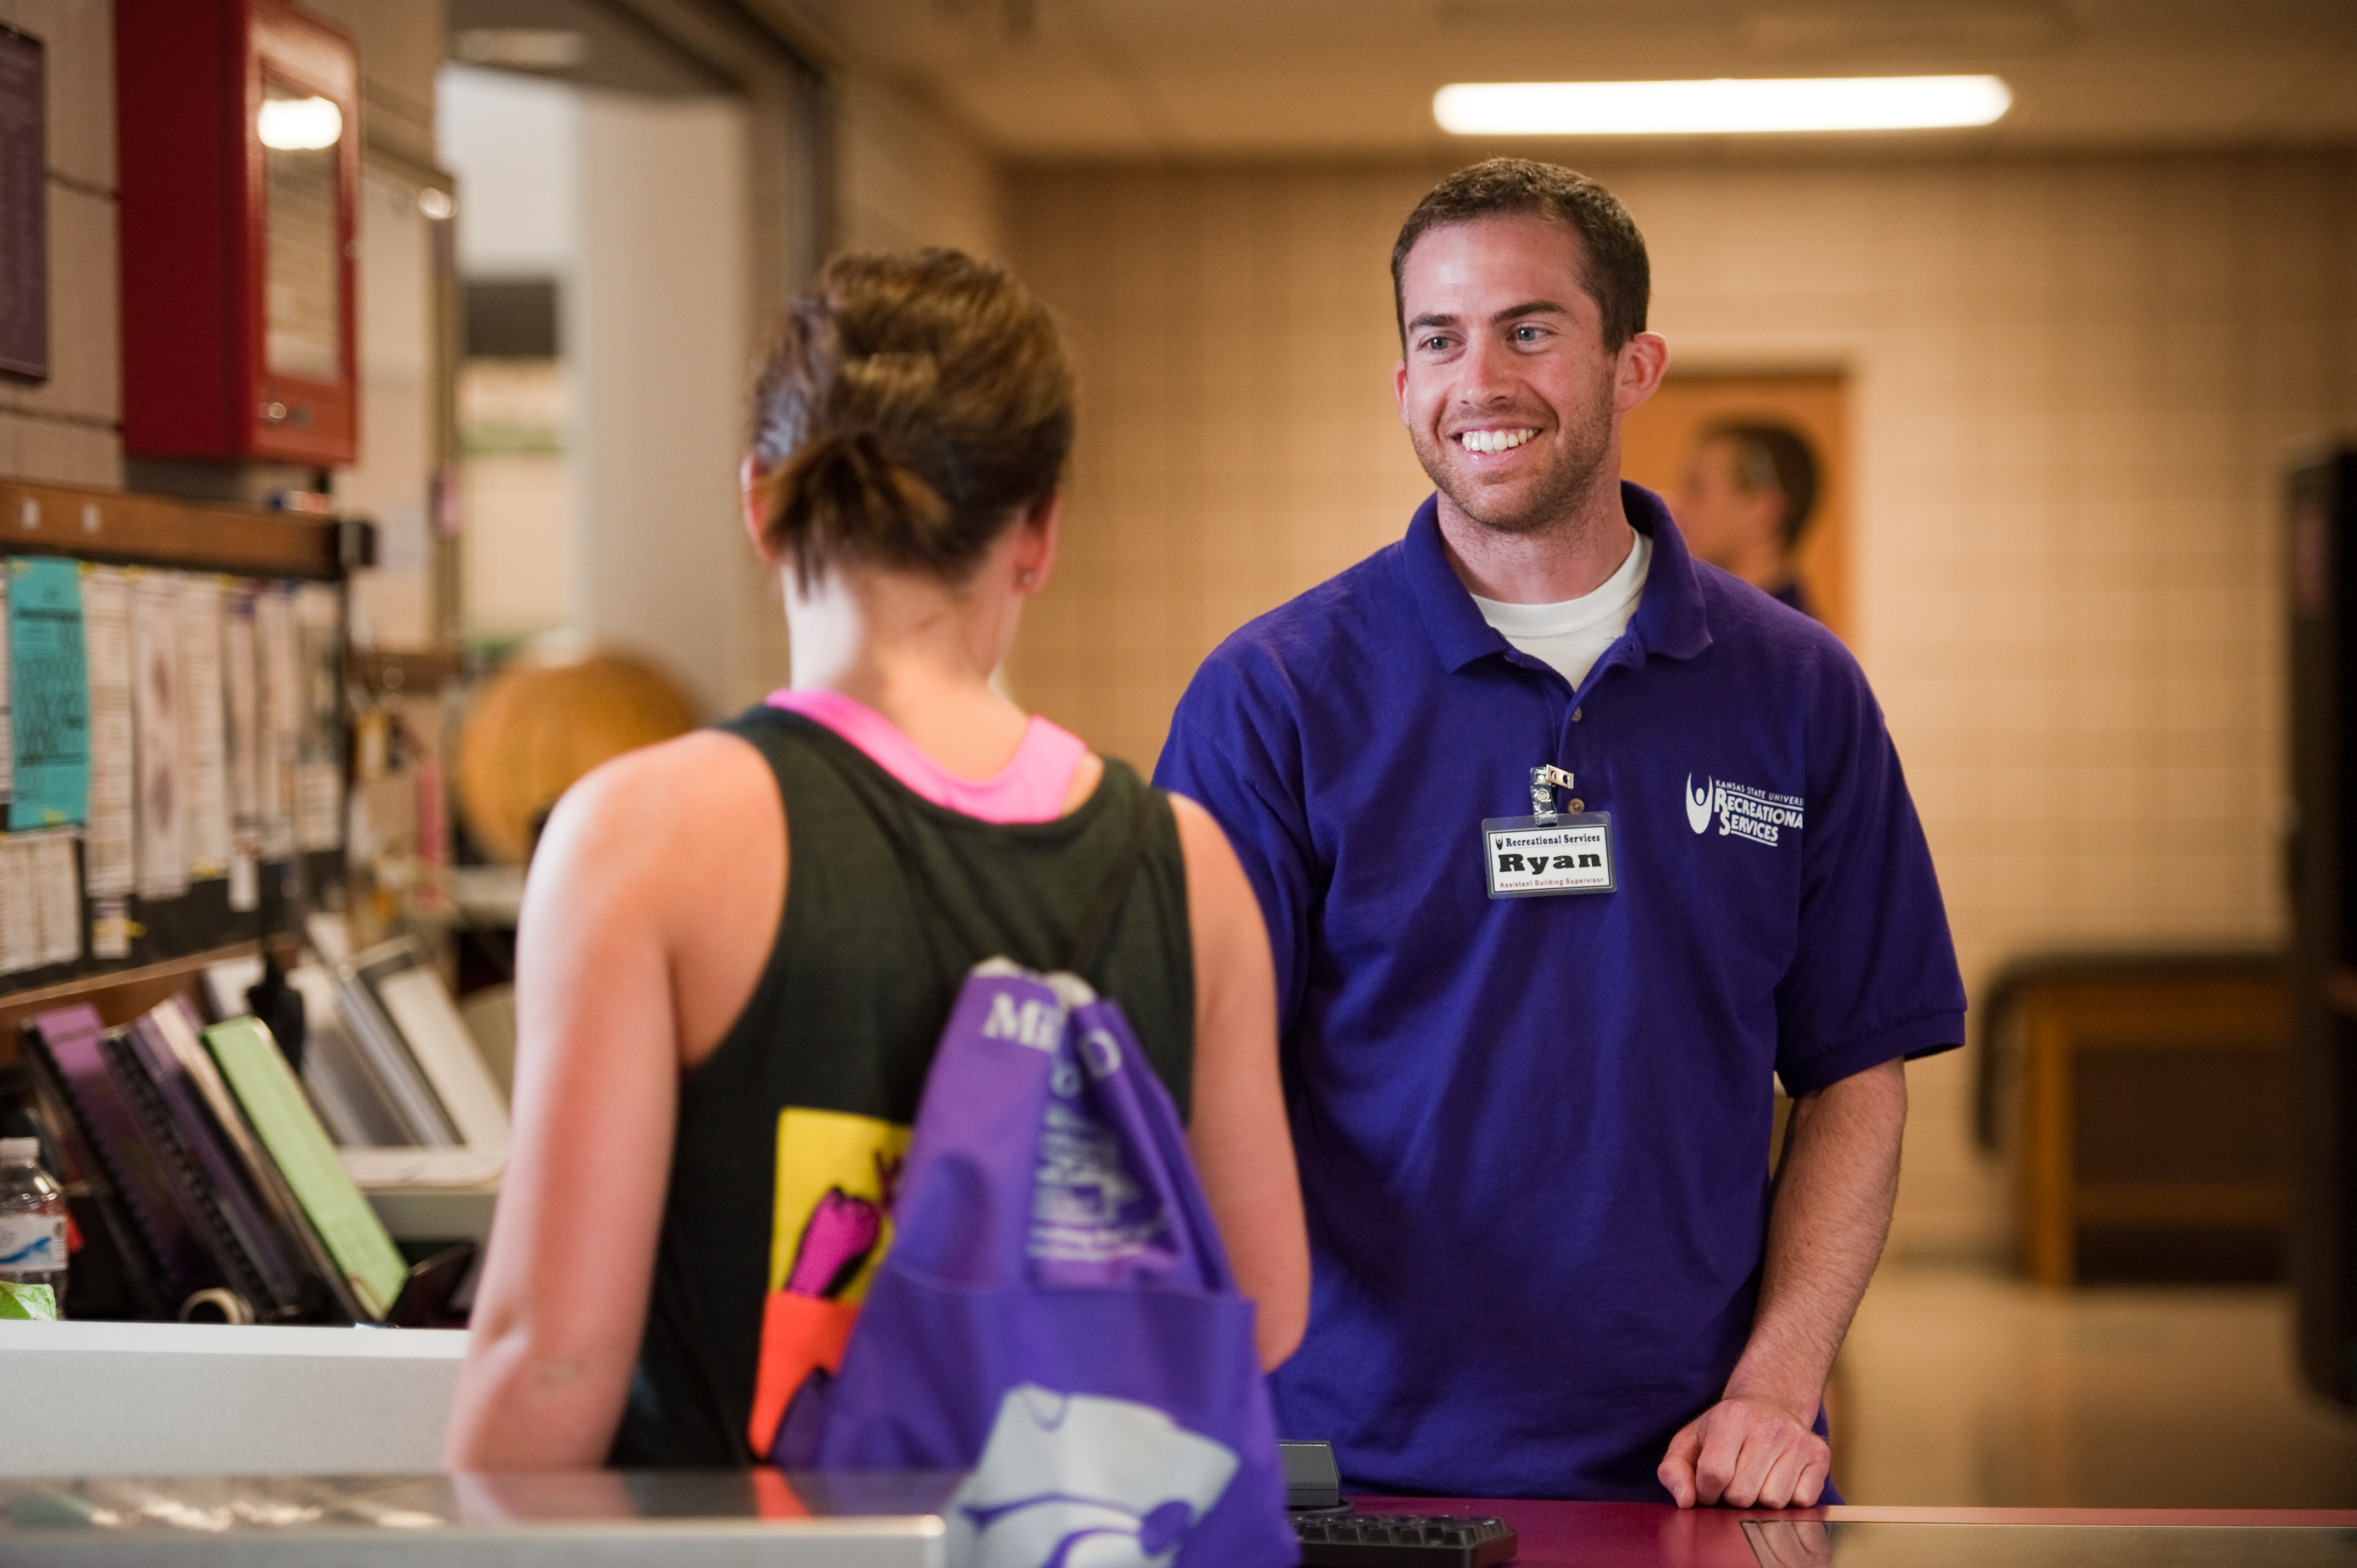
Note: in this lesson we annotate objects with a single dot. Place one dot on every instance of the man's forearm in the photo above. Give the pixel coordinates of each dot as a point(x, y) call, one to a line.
point(1832, 1213)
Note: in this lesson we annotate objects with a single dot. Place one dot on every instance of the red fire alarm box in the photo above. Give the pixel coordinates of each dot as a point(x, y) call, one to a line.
point(239, 161)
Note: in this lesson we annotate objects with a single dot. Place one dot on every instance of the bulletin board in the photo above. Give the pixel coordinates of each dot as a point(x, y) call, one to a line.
point(174, 762)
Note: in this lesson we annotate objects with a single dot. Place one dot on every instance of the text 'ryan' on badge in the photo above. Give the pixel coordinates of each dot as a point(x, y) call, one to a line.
point(1523, 858)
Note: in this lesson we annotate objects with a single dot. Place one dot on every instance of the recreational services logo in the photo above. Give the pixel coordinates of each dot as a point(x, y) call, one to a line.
point(1755, 814)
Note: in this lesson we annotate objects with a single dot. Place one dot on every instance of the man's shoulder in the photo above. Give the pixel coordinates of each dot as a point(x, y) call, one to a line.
point(1757, 632)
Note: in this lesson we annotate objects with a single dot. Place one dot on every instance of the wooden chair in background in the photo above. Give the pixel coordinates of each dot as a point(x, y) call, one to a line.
point(2148, 1111)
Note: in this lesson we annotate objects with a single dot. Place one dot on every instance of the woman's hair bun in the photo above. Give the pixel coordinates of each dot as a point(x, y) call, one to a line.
point(843, 494)
point(910, 408)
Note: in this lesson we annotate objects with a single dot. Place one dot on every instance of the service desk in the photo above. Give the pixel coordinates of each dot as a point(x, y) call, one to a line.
point(686, 1519)
point(166, 1399)
point(579, 1520)
point(1644, 1535)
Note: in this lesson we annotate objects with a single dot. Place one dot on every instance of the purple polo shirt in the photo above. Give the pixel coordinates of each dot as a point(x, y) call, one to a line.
point(1790, 592)
point(1533, 1132)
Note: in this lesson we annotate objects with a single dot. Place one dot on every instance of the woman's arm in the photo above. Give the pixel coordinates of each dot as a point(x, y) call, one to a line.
point(1242, 1146)
point(561, 1306)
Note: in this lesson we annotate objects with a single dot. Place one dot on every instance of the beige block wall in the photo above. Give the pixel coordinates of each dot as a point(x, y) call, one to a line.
point(68, 429)
point(2072, 383)
point(399, 44)
point(906, 174)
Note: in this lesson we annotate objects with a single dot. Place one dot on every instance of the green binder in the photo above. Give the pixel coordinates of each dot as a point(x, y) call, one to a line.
point(274, 1103)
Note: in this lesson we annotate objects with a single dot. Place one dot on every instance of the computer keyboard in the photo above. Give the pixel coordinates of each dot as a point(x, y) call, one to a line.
point(1353, 1540)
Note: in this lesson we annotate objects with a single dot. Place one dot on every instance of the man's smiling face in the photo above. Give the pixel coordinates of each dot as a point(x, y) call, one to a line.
point(1505, 386)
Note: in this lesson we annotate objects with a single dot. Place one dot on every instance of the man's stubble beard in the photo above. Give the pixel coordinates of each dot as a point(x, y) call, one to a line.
point(1557, 496)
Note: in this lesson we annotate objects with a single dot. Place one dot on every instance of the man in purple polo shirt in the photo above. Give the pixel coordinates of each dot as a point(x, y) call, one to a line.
point(1568, 846)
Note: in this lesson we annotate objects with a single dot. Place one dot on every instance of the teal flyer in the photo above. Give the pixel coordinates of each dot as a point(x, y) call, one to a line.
point(49, 688)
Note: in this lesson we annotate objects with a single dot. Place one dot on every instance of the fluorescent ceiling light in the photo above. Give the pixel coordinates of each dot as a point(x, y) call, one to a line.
point(301, 125)
point(1725, 105)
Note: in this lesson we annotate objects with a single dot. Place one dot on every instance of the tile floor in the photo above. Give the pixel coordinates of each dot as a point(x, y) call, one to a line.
point(1960, 1387)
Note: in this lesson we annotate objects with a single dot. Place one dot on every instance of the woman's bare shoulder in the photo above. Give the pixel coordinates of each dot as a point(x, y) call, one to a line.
point(705, 768)
point(661, 805)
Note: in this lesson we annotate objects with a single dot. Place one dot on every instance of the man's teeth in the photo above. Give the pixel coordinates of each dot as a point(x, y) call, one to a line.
point(1495, 440)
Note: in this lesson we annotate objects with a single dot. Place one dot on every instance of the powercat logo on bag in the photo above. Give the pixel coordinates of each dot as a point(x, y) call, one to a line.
point(1083, 1481)
point(1759, 815)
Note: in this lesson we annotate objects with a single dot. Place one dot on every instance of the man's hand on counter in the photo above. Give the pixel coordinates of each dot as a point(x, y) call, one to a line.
point(1746, 1454)
point(1755, 1447)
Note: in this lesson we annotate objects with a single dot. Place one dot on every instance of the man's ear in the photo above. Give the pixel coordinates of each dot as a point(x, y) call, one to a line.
point(1640, 364)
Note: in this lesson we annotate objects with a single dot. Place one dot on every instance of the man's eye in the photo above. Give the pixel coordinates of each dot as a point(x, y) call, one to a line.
point(1435, 344)
point(1527, 334)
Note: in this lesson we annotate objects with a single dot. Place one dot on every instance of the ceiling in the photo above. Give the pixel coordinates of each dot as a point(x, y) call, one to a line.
point(590, 43)
point(1122, 80)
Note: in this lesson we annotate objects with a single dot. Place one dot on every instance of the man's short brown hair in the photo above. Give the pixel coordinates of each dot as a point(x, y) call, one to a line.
point(1612, 254)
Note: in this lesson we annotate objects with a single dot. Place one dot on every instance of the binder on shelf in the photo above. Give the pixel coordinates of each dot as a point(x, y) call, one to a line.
point(267, 1091)
point(407, 994)
point(353, 1105)
point(164, 1220)
point(417, 1017)
point(357, 1109)
point(190, 1152)
point(424, 1119)
point(352, 1096)
point(246, 1182)
point(184, 1038)
point(113, 1257)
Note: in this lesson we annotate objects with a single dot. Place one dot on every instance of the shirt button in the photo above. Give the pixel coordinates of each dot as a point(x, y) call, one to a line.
point(1575, 714)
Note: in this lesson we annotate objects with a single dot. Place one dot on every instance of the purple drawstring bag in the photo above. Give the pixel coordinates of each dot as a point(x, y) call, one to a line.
point(1056, 1315)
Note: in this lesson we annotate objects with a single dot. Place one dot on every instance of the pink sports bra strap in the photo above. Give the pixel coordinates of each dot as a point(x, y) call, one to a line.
point(1031, 787)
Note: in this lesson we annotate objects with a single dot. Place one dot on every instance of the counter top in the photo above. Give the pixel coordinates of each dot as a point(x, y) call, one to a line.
point(1650, 1535)
point(224, 1339)
point(580, 1519)
point(686, 1517)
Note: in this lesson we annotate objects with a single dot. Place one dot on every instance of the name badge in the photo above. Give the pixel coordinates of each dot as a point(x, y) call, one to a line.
point(1527, 857)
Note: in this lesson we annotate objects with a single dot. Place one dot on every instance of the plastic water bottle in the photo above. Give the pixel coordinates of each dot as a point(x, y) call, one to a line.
point(32, 1219)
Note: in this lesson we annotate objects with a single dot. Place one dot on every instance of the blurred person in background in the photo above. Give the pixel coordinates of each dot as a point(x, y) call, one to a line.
point(1748, 490)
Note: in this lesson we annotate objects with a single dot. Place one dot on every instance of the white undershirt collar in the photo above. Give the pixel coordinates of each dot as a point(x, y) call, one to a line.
point(1573, 634)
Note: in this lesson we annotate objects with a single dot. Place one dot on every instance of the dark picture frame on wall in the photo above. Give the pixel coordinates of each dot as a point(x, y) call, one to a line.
point(24, 207)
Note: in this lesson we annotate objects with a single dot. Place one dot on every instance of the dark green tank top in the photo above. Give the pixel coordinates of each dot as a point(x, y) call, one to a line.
point(844, 1020)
